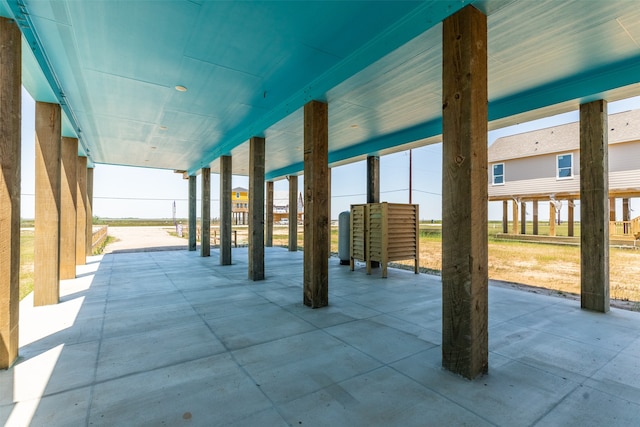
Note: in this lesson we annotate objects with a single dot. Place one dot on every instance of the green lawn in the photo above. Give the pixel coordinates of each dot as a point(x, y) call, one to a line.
point(26, 262)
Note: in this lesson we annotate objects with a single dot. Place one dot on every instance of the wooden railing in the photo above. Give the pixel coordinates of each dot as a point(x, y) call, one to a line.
point(99, 236)
point(625, 229)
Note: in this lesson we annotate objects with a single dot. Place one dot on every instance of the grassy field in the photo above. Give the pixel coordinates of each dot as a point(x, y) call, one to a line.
point(26, 263)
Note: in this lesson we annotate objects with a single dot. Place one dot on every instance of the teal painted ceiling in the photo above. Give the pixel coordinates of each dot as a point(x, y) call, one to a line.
point(249, 67)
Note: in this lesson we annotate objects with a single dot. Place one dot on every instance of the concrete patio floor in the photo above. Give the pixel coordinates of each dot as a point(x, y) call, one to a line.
point(170, 338)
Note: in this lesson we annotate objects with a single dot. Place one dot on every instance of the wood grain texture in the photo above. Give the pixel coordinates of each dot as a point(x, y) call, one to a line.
point(523, 217)
point(269, 216)
point(293, 213)
point(205, 214)
point(464, 194)
point(594, 207)
point(46, 279)
point(515, 219)
point(535, 217)
point(505, 216)
point(225, 210)
point(193, 192)
point(10, 141)
point(570, 218)
point(81, 211)
point(316, 214)
point(89, 238)
point(552, 220)
point(256, 208)
point(68, 191)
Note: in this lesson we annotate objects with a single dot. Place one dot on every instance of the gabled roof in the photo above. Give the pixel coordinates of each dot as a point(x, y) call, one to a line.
point(623, 127)
point(239, 190)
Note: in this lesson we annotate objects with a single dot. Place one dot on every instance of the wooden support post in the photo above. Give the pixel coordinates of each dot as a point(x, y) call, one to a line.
point(68, 189)
point(373, 179)
point(612, 209)
point(205, 214)
point(225, 210)
point(256, 209)
point(535, 217)
point(570, 218)
point(523, 217)
point(10, 105)
point(505, 216)
point(81, 212)
point(373, 191)
point(594, 189)
point(514, 225)
point(269, 216)
point(316, 223)
point(626, 216)
point(46, 280)
point(89, 238)
point(329, 211)
point(552, 219)
point(464, 194)
point(192, 212)
point(293, 213)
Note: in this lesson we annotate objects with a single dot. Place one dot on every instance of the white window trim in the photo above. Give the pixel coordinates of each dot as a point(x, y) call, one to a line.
point(493, 177)
point(558, 177)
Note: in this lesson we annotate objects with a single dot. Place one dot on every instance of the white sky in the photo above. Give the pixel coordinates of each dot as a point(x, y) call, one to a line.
point(123, 192)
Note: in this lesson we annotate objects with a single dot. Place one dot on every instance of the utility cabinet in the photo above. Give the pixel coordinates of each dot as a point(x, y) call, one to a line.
point(384, 232)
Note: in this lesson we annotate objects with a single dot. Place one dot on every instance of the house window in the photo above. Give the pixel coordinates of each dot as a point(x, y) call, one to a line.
point(565, 166)
point(498, 174)
point(237, 195)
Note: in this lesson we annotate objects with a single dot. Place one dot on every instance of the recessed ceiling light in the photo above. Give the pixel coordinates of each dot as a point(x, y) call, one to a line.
point(354, 126)
point(153, 148)
point(163, 128)
point(181, 88)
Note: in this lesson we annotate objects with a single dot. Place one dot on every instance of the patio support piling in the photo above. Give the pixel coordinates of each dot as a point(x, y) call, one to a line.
point(535, 217)
point(89, 238)
point(46, 258)
point(256, 208)
point(612, 209)
point(523, 217)
point(505, 216)
point(293, 213)
point(316, 188)
point(10, 104)
point(225, 210)
point(192, 212)
point(594, 189)
point(68, 208)
point(514, 229)
point(464, 194)
point(205, 215)
point(269, 216)
point(626, 215)
point(552, 219)
point(373, 187)
point(570, 218)
point(81, 211)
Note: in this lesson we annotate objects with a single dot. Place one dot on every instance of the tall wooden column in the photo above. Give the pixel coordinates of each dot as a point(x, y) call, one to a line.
point(505, 216)
point(10, 104)
point(192, 212)
point(515, 223)
point(316, 221)
point(293, 213)
point(225, 210)
point(535, 217)
point(612, 209)
point(256, 208)
point(89, 239)
point(46, 280)
point(81, 211)
point(269, 216)
point(205, 214)
point(594, 190)
point(626, 215)
point(68, 189)
point(373, 179)
point(464, 194)
point(373, 187)
point(552, 219)
point(570, 218)
point(523, 218)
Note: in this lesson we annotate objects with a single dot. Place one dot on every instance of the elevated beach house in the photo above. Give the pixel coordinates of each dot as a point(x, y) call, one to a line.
point(544, 165)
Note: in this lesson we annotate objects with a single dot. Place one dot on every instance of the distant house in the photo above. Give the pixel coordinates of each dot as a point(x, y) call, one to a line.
point(240, 205)
point(544, 165)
